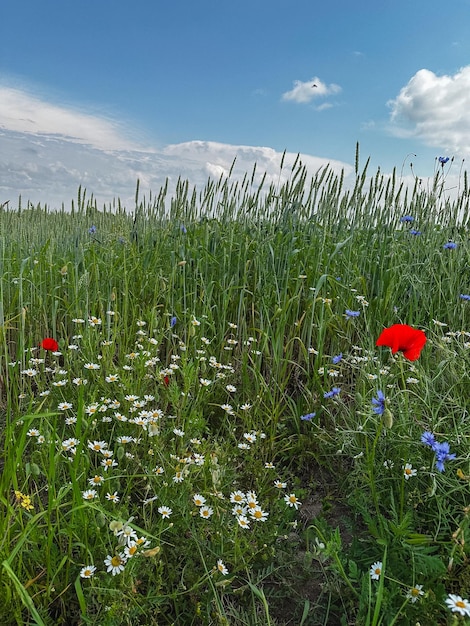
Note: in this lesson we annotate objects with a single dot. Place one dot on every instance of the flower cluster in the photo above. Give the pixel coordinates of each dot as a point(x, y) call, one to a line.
point(441, 450)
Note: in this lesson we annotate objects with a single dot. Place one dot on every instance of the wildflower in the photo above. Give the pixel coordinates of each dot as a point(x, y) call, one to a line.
point(115, 564)
point(308, 417)
point(443, 454)
point(415, 232)
point(245, 407)
point(269, 465)
point(89, 494)
point(113, 497)
point(142, 542)
point(125, 439)
point(465, 296)
point(49, 344)
point(404, 338)
point(237, 497)
point(331, 394)
point(91, 366)
point(231, 388)
point(228, 408)
point(292, 501)
point(29, 372)
point(378, 403)
point(206, 511)
point(112, 378)
point(198, 499)
point(88, 571)
point(441, 450)
point(126, 534)
point(205, 382)
point(24, 500)
point(97, 446)
point(407, 218)
point(178, 477)
point(96, 480)
point(63, 406)
point(131, 549)
point(350, 313)
point(250, 437)
point(107, 463)
point(409, 471)
point(428, 439)
point(243, 521)
point(258, 514)
point(336, 359)
point(450, 245)
point(375, 570)
point(221, 567)
point(414, 593)
point(251, 499)
point(33, 432)
point(92, 229)
point(165, 511)
point(280, 485)
point(458, 605)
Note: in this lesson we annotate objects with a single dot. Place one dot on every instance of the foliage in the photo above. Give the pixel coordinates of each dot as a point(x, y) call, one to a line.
point(223, 343)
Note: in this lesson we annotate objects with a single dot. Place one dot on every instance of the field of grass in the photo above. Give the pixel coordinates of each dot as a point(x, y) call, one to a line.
point(216, 438)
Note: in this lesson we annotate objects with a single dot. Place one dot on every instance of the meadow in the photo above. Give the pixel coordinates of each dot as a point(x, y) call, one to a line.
point(198, 426)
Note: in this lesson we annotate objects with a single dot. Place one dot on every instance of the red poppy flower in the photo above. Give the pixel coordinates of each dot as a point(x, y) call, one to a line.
point(49, 344)
point(403, 338)
point(166, 381)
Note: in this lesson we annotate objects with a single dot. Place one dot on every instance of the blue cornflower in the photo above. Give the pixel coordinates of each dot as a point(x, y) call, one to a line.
point(92, 229)
point(336, 359)
point(407, 218)
point(350, 313)
point(441, 450)
point(450, 245)
point(465, 296)
point(429, 439)
point(378, 403)
point(443, 160)
point(415, 232)
point(183, 229)
point(443, 454)
point(173, 321)
point(331, 394)
point(308, 417)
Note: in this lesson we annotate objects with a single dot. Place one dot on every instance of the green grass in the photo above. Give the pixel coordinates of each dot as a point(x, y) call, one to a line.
point(257, 282)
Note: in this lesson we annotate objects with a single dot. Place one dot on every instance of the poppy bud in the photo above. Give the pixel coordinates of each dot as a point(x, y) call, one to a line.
point(387, 417)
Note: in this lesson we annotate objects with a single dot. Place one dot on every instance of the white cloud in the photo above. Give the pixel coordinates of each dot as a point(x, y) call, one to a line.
point(24, 112)
point(48, 151)
point(304, 92)
point(435, 109)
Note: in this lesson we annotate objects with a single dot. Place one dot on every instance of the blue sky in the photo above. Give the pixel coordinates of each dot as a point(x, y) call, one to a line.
point(99, 93)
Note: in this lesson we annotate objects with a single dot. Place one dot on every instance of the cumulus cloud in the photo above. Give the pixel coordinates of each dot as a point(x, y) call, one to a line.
point(24, 112)
point(305, 92)
point(47, 152)
point(435, 109)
